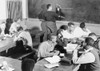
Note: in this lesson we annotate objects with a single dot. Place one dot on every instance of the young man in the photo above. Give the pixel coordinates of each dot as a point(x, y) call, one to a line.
point(93, 36)
point(96, 39)
point(81, 31)
point(89, 60)
point(85, 30)
point(68, 32)
point(46, 48)
point(49, 22)
point(25, 36)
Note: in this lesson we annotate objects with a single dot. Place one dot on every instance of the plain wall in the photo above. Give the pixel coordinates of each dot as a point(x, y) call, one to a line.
point(3, 10)
point(36, 23)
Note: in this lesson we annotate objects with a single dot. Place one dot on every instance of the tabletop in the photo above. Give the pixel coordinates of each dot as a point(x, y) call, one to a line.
point(7, 43)
point(39, 66)
point(14, 63)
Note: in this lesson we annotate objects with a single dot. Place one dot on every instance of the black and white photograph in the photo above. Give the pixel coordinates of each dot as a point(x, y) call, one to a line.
point(49, 35)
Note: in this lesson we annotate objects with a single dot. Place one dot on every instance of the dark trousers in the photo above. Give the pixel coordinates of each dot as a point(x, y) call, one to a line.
point(48, 27)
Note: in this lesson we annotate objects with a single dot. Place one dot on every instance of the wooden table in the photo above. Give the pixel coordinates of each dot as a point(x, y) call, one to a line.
point(6, 44)
point(39, 66)
point(16, 64)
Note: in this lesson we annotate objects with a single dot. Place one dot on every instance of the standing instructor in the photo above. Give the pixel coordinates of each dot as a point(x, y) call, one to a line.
point(48, 19)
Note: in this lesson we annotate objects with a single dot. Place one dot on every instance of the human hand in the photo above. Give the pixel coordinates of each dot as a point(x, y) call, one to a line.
point(56, 52)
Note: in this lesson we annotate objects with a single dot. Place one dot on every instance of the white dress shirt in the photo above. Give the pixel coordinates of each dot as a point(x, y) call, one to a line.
point(78, 32)
point(87, 32)
point(66, 34)
point(87, 57)
point(13, 27)
point(26, 35)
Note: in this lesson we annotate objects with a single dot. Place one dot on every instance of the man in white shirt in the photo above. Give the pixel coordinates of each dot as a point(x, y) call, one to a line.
point(23, 34)
point(81, 31)
point(78, 32)
point(68, 33)
point(46, 48)
point(93, 36)
point(22, 23)
point(85, 30)
point(13, 27)
point(90, 57)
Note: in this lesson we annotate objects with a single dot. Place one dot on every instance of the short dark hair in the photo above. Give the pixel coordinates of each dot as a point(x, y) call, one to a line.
point(65, 41)
point(70, 23)
point(48, 5)
point(9, 20)
point(92, 34)
point(64, 27)
point(82, 25)
point(49, 36)
point(89, 41)
point(19, 28)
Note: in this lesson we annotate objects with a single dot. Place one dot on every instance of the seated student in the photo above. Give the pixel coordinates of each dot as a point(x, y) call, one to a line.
point(89, 60)
point(68, 31)
point(70, 34)
point(60, 48)
point(85, 30)
point(8, 24)
point(22, 23)
point(25, 36)
point(81, 31)
point(14, 27)
point(78, 32)
point(46, 48)
point(62, 30)
point(93, 36)
point(60, 42)
point(97, 43)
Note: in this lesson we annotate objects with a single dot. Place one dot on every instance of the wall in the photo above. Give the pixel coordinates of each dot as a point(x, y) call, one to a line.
point(25, 8)
point(36, 23)
point(3, 10)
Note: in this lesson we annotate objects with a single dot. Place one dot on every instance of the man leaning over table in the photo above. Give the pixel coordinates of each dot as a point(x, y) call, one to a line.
point(46, 48)
point(71, 33)
point(89, 60)
point(25, 36)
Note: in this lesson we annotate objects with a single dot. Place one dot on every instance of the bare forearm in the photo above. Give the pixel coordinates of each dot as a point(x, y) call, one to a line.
point(49, 54)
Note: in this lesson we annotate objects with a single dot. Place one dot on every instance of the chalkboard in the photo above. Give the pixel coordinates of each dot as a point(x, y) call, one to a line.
point(74, 10)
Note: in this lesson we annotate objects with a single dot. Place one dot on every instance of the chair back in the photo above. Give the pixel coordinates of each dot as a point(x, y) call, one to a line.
point(27, 64)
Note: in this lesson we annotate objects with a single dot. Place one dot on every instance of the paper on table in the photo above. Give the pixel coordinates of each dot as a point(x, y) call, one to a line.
point(5, 66)
point(70, 47)
point(51, 65)
point(54, 59)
